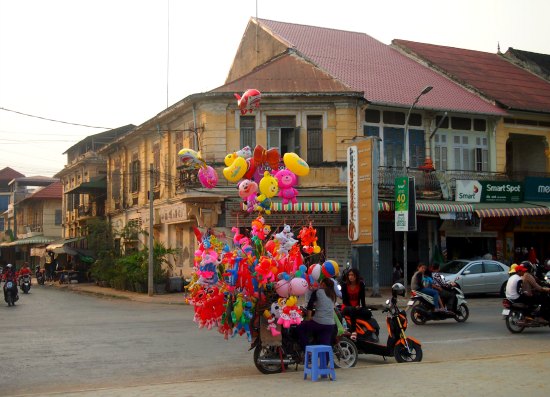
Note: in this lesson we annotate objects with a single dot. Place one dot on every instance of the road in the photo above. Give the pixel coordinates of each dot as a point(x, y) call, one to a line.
point(58, 341)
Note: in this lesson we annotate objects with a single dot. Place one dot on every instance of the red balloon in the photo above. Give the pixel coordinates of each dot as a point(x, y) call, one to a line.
point(249, 101)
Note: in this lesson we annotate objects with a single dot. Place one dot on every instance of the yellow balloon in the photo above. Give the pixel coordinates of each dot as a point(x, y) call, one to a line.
point(268, 185)
point(296, 164)
point(230, 158)
point(236, 170)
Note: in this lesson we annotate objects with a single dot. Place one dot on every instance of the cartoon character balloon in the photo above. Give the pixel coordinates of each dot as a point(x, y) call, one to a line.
point(191, 158)
point(249, 101)
point(296, 164)
point(208, 177)
point(287, 180)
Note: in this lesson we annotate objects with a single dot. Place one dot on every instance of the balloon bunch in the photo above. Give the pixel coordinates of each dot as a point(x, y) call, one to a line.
point(208, 176)
point(230, 277)
point(260, 176)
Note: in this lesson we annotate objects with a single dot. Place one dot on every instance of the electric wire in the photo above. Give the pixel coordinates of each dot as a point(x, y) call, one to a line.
point(53, 120)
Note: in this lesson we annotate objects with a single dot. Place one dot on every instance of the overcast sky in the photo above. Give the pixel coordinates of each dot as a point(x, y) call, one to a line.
point(106, 63)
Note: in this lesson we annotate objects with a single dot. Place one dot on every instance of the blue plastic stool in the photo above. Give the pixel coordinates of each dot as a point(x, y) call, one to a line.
point(315, 362)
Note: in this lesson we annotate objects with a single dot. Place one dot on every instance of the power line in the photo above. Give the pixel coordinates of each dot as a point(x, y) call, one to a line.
point(55, 121)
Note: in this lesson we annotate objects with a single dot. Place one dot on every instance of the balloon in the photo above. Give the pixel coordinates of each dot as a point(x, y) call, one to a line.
point(249, 101)
point(287, 180)
point(314, 272)
point(236, 170)
point(269, 156)
point(208, 177)
point(296, 164)
point(251, 169)
point(298, 286)
point(247, 188)
point(191, 157)
point(245, 152)
point(282, 287)
point(330, 269)
point(268, 186)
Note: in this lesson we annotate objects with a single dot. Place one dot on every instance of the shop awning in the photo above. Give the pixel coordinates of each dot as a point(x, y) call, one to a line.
point(491, 210)
point(429, 206)
point(442, 206)
point(35, 240)
point(311, 206)
point(61, 247)
point(94, 186)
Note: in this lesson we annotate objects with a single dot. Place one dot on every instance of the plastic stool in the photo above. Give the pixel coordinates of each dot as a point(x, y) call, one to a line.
point(315, 362)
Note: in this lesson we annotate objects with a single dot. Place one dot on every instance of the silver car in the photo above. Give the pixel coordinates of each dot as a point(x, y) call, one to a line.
point(477, 276)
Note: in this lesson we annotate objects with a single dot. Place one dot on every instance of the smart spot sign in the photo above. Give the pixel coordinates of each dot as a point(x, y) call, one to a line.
point(472, 191)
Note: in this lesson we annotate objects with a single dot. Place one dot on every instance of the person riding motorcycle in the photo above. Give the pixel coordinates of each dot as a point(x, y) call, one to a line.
point(444, 287)
point(513, 286)
point(10, 275)
point(420, 282)
point(533, 293)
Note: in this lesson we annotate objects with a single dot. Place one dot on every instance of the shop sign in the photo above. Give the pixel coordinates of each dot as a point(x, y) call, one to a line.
point(173, 214)
point(537, 189)
point(472, 191)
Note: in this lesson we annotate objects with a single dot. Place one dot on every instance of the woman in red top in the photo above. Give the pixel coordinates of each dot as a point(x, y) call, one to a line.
point(353, 299)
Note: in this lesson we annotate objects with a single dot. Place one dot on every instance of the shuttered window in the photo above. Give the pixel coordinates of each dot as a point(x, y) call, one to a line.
point(248, 131)
point(314, 139)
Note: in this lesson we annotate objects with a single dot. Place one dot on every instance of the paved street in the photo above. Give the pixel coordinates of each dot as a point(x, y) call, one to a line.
point(56, 340)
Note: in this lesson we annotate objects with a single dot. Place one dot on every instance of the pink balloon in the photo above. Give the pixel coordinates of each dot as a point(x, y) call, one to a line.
point(283, 288)
point(208, 177)
point(298, 286)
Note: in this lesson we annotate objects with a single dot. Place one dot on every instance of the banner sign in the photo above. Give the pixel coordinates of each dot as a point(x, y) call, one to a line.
point(360, 192)
point(472, 191)
point(537, 189)
point(402, 204)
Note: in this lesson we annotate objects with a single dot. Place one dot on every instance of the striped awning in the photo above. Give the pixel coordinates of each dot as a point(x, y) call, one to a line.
point(512, 211)
point(35, 240)
point(313, 206)
point(425, 206)
point(429, 206)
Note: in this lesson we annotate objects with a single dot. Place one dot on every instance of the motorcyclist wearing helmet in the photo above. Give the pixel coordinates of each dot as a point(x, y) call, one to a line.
point(9, 273)
point(533, 293)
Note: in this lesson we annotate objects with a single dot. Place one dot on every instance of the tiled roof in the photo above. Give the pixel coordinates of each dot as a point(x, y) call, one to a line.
point(286, 73)
point(52, 191)
point(535, 62)
point(385, 75)
point(490, 74)
point(7, 174)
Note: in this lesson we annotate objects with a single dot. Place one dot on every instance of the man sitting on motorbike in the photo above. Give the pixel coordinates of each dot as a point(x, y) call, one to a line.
point(421, 282)
point(444, 288)
point(9, 275)
point(513, 286)
point(533, 293)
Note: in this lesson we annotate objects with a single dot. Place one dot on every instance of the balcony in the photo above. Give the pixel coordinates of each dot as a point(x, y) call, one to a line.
point(188, 178)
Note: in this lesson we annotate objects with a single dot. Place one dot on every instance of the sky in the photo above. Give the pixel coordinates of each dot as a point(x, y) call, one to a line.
point(109, 63)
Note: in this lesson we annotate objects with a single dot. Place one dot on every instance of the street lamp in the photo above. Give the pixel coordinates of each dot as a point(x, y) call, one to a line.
point(424, 91)
point(406, 130)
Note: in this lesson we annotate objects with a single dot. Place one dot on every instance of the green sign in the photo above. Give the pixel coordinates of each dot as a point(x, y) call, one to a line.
point(501, 192)
point(537, 189)
point(402, 204)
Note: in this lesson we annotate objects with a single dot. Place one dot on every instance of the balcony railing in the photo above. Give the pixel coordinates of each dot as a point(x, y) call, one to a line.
point(188, 178)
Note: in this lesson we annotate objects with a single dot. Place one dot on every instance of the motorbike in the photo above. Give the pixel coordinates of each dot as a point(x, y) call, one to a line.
point(422, 308)
point(10, 292)
point(40, 277)
point(519, 316)
point(25, 283)
point(274, 354)
point(402, 347)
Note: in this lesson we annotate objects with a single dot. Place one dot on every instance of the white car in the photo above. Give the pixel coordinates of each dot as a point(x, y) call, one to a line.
point(477, 276)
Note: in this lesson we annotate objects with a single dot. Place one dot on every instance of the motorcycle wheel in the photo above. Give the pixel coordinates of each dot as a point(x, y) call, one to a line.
point(345, 353)
point(25, 290)
point(271, 352)
point(462, 313)
point(10, 300)
point(515, 322)
point(417, 316)
point(402, 355)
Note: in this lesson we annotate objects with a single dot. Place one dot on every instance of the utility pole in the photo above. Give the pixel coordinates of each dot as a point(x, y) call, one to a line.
point(151, 238)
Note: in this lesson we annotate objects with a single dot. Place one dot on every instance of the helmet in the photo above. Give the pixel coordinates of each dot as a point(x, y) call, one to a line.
point(527, 265)
point(9, 265)
point(398, 289)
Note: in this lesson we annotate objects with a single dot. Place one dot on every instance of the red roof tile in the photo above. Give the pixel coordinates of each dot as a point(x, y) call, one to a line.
point(287, 73)
point(7, 174)
point(490, 74)
point(53, 191)
point(384, 74)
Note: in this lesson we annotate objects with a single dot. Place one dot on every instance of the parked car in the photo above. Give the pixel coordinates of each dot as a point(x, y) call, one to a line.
point(477, 276)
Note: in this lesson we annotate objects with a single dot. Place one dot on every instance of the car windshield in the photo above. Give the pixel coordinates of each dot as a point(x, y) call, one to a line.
point(453, 267)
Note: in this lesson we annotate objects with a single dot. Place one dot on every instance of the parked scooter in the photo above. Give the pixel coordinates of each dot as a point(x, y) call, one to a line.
point(40, 277)
point(25, 283)
point(519, 316)
point(422, 308)
point(402, 347)
point(10, 292)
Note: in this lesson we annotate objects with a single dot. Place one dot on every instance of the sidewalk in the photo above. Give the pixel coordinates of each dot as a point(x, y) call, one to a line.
point(179, 298)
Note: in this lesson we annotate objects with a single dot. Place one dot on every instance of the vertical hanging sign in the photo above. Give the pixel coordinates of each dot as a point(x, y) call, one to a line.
point(402, 204)
point(360, 192)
